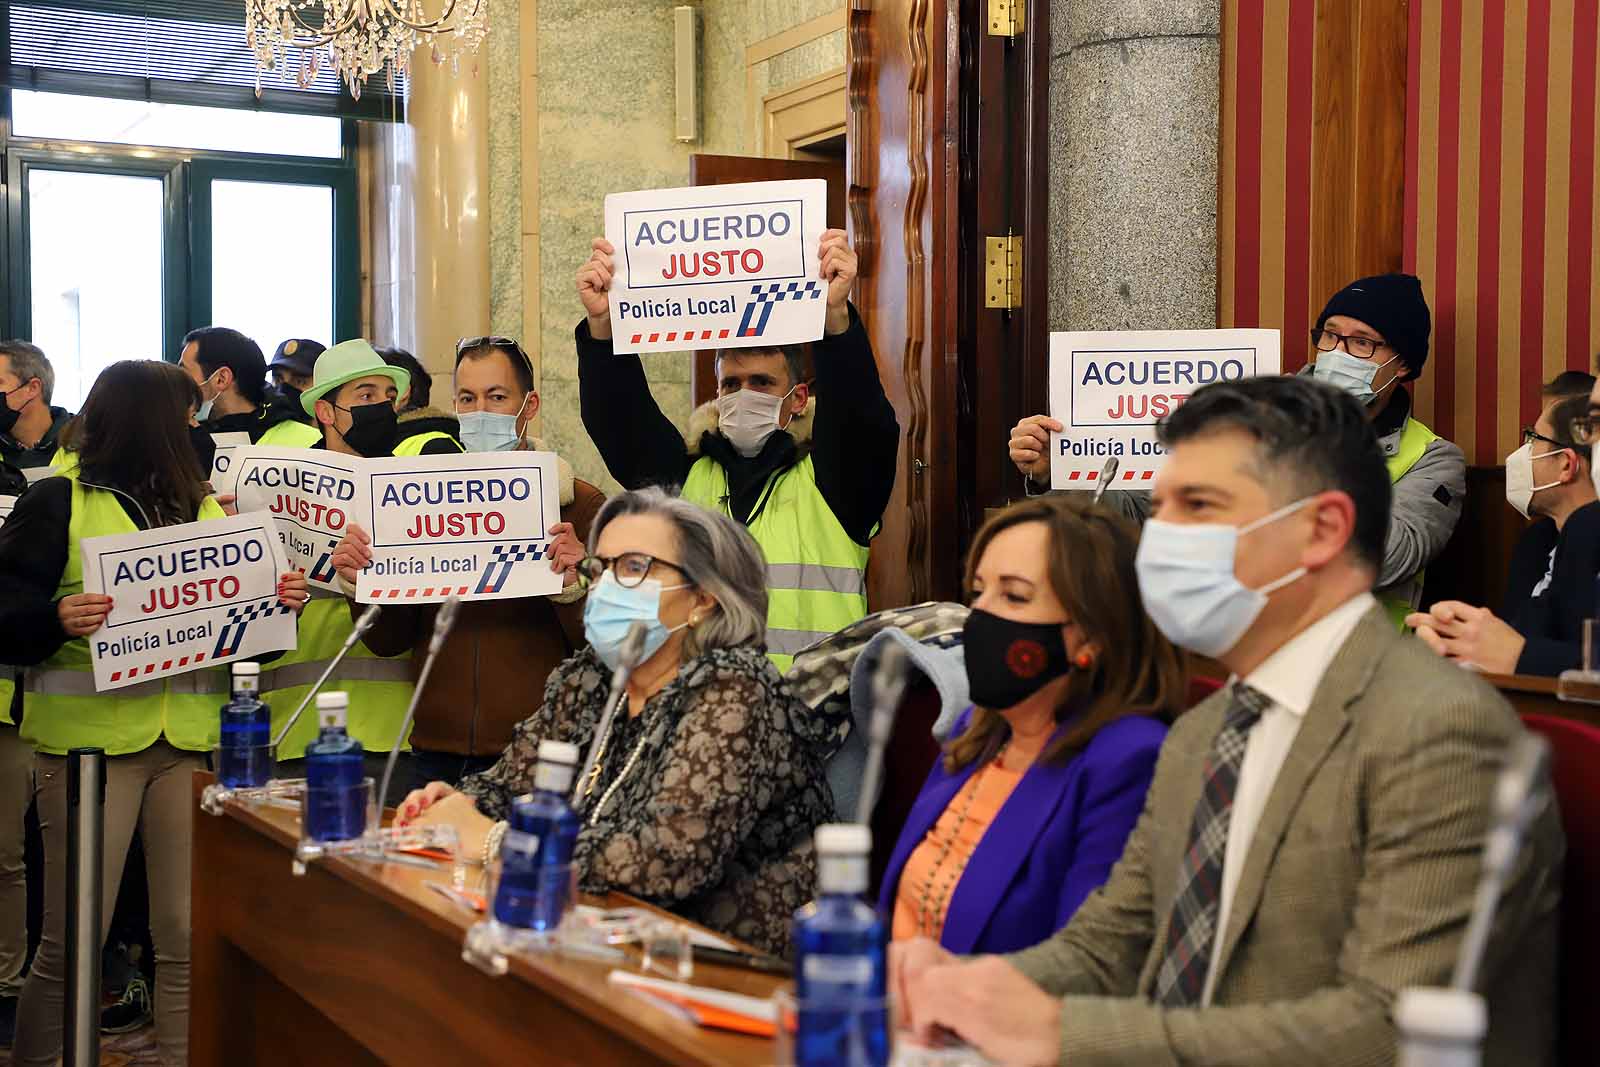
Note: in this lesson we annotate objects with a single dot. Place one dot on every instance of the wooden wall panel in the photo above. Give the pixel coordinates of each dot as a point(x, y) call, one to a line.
point(1452, 138)
point(903, 183)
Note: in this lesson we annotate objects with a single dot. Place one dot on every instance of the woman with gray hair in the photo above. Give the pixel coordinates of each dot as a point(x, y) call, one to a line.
point(705, 796)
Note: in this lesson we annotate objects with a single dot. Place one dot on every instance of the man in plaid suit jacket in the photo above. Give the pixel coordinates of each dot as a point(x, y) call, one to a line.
point(1314, 834)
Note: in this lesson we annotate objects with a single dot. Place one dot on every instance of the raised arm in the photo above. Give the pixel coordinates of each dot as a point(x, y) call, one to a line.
point(639, 444)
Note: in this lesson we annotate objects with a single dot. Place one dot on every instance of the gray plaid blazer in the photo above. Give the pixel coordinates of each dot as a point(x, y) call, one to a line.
point(1358, 883)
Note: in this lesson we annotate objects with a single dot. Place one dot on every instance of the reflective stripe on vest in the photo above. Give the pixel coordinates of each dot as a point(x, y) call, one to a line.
point(379, 689)
point(61, 709)
point(816, 575)
point(1405, 597)
point(412, 446)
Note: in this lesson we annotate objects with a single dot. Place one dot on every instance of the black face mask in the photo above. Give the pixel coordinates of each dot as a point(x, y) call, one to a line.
point(205, 448)
point(289, 394)
point(8, 418)
point(372, 428)
point(1008, 662)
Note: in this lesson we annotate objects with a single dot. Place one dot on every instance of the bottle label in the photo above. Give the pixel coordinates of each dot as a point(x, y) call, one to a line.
point(246, 685)
point(837, 970)
point(519, 845)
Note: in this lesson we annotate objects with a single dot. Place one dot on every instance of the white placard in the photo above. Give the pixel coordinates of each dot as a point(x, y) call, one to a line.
point(474, 525)
point(1110, 388)
point(38, 474)
point(226, 443)
point(185, 598)
point(311, 493)
point(722, 266)
point(7, 503)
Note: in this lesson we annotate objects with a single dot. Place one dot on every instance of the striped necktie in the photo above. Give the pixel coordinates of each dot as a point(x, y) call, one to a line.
point(1192, 933)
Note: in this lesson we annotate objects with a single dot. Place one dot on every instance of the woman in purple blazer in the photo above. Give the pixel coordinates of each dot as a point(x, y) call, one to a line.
point(1044, 778)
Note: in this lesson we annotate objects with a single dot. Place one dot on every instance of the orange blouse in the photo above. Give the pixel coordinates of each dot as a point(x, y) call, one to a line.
point(935, 866)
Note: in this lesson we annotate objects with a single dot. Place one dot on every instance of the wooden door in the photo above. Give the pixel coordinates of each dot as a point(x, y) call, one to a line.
point(730, 170)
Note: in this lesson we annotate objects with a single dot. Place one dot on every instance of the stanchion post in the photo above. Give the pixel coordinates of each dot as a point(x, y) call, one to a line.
point(86, 842)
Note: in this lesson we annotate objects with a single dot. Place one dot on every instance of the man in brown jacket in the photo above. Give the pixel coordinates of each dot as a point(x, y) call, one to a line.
point(1313, 837)
point(490, 674)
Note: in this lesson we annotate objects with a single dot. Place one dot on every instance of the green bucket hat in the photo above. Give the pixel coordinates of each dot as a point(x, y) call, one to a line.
point(345, 362)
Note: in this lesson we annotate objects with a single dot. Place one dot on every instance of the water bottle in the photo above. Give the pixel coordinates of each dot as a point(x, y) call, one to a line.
point(536, 855)
point(840, 946)
point(244, 752)
point(336, 805)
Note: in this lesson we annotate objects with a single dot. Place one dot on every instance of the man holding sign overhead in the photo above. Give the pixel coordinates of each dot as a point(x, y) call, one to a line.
point(809, 477)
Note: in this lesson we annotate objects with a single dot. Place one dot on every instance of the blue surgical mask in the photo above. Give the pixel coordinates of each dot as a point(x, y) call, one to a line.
point(487, 431)
point(203, 412)
point(613, 608)
point(1187, 583)
point(1344, 371)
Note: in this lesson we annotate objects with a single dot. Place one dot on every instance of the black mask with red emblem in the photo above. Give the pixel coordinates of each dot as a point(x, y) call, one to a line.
point(1008, 662)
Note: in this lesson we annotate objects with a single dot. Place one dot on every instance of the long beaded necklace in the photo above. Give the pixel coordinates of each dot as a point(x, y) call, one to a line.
point(926, 914)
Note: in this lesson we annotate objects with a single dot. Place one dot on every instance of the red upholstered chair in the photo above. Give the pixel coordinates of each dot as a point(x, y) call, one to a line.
point(906, 761)
point(1575, 768)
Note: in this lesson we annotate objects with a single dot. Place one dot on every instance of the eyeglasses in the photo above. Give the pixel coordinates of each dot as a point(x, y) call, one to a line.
point(506, 344)
point(1530, 435)
point(631, 568)
point(1360, 347)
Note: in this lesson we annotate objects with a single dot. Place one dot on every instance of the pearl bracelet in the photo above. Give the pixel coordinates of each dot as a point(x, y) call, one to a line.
point(491, 842)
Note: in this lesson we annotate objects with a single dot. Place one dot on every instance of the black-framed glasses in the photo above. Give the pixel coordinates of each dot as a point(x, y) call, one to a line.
point(506, 344)
point(1360, 347)
point(630, 568)
point(1530, 435)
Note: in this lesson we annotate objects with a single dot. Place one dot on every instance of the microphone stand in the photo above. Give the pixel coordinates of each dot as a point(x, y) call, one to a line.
point(627, 659)
point(363, 624)
point(442, 623)
point(888, 686)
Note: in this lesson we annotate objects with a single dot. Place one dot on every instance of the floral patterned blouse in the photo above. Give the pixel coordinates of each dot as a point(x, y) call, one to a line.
point(714, 819)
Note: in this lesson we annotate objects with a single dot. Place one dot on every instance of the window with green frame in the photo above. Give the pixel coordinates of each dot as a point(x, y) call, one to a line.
point(151, 189)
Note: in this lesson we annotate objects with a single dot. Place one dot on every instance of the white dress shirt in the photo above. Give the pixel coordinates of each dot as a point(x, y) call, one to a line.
point(1289, 678)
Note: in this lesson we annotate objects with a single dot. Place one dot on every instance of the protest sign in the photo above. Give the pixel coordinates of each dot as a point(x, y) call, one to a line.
point(473, 526)
point(6, 504)
point(311, 493)
point(723, 266)
point(185, 597)
point(226, 443)
point(1110, 388)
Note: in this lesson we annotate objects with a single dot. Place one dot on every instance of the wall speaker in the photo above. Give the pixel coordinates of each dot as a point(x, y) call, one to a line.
point(686, 50)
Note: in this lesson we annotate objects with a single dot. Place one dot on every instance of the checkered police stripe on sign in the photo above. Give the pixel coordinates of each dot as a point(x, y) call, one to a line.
point(240, 616)
point(765, 296)
point(502, 559)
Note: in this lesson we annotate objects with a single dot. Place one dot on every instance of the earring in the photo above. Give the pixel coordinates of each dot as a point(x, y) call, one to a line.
point(1083, 661)
point(694, 620)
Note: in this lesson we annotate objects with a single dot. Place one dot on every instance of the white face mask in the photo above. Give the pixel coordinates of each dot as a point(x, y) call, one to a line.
point(1187, 583)
point(1354, 376)
point(747, 418)
point(1519, 478)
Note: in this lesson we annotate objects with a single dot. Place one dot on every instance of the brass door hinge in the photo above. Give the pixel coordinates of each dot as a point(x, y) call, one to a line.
point(1006, 17)
point(1003, 271)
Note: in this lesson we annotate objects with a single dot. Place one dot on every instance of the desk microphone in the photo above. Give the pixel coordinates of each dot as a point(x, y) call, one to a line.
point(363, 624)
point(1108, 474)
point(442, 624)
point(628, 656)
point(888, 686)
point(1518, 795)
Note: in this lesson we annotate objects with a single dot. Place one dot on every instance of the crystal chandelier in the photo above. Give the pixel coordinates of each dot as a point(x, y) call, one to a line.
point(361, 37)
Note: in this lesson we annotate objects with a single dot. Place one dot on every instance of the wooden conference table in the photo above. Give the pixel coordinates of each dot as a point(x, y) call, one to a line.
point(359, 963)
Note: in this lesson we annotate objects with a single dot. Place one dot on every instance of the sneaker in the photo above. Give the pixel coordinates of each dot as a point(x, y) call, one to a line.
point(8, 1020)
point(130, 1012)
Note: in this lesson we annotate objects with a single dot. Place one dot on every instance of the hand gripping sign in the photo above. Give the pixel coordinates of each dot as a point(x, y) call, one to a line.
point(723, 266)
point(310, 493)
point(1109, 389)
point(473, 526)
point(185, 598)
